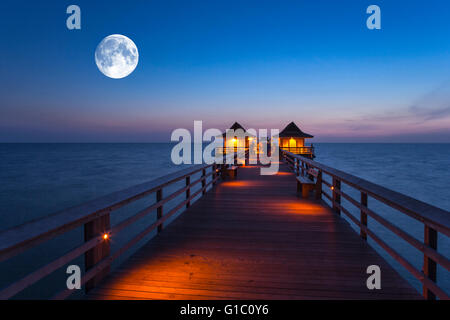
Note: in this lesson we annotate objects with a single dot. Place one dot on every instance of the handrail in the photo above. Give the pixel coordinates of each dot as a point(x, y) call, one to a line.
point(231, 149)
point(299, 150)
point(94, 216)
point(13, 240)
point(434, 219)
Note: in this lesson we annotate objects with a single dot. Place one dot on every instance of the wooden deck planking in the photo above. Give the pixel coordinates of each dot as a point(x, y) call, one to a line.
point(254, 238)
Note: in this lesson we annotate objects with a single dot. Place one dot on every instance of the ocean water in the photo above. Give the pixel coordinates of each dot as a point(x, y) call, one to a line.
point(40, 179)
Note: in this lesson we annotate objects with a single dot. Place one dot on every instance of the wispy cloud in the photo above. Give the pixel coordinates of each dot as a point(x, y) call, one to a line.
point(432, 106)
point(428, 115)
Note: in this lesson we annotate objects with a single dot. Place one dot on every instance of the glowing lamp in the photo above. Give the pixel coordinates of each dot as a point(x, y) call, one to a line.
point(105, 236)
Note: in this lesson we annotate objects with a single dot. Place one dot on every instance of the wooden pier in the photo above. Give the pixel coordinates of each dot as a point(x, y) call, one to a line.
point(252, 237)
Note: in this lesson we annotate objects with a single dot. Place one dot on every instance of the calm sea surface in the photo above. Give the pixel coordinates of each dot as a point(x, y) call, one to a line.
point(40, 179)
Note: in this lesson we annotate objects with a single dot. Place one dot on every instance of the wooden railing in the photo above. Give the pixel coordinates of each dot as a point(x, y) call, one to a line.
point(225, 150)
point(306, 150)
point(95, 217)
point(240, 155)
point(434, 220)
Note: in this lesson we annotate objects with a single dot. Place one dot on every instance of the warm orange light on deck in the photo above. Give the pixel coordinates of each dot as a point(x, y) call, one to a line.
point(301, 208)
point(332, 188)
point(105, 236)
point(241, 183)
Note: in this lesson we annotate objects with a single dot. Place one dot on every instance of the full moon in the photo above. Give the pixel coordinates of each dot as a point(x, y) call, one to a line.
point(116, 56)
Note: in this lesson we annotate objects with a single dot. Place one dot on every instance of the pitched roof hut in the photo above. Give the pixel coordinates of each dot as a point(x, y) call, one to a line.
point(292, 139)
point(292, 131)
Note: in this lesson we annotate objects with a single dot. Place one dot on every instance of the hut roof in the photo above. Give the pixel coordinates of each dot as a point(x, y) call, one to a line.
point(292, 130)
point(237, 126)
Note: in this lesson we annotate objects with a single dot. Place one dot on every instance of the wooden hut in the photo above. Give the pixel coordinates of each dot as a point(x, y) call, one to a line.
point(233, 144)
point(292, 139)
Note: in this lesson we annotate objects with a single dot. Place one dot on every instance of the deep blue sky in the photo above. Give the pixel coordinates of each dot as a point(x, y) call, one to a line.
point(262, 63)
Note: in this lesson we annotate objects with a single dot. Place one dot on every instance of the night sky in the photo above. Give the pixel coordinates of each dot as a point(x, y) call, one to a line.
point(261, 63)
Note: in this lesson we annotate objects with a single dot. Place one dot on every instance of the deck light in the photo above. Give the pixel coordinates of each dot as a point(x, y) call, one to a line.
point(332, 188)
point(105, 236)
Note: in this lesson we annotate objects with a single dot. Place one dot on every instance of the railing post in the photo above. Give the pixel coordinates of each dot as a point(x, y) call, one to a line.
point(223, 171)
point(159, 211)
point(247, 156)
point(363, 220)
point(188, 191)
point(214, 175)
point(303, 168)
point(336, 196)
point(297, 167)
point(319, 186)
point(92, 229)
point(429, 265)
point(203, 181)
